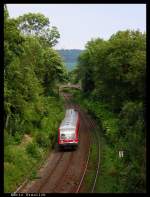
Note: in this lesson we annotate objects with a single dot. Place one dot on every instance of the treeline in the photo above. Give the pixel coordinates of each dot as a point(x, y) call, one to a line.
point(32, 107)
point(112, 74)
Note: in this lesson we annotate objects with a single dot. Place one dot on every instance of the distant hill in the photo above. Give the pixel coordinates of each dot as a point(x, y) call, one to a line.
point(70, 57)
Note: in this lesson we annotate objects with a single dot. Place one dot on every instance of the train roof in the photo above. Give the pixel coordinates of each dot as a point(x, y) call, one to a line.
point(70, 120)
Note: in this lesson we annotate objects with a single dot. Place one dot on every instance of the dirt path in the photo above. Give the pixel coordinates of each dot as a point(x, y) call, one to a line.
point(63, 170)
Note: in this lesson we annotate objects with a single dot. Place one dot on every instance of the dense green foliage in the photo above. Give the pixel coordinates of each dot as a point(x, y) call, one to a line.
point(70, 57)
point(32, 107)
point(112, 74)
point(113, 79)
point(116, 174)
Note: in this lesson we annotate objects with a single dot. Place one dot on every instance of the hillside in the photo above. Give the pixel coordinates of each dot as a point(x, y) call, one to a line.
point(70, 57)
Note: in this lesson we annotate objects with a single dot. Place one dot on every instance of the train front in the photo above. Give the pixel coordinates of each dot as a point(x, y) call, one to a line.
point(68, 130)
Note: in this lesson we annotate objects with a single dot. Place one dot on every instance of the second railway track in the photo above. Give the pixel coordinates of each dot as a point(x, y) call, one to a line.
point(95, 139)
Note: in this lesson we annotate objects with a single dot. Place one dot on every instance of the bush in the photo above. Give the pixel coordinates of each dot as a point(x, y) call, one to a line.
point(17, 138)
point(52, 137)
point(42, 139)
point(17, 166)
point(32, 150)
point(8, 139)
point(8, 156)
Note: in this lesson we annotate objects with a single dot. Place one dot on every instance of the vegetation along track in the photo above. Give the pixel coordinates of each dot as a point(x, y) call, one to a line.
point(64, 171)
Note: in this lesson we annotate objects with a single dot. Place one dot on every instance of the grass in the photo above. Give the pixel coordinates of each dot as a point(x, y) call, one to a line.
point(19, 165)
point(16, 167)
point(108, 179)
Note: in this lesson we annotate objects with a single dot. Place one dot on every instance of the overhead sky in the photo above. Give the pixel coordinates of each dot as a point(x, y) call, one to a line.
point(79, 23)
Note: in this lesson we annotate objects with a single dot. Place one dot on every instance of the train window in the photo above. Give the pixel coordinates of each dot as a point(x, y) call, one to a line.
point(62, 136)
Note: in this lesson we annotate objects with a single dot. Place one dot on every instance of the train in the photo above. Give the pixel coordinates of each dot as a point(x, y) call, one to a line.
point(68, 131)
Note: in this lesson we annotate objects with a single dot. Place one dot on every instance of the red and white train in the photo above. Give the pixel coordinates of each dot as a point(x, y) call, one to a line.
point(68, 132)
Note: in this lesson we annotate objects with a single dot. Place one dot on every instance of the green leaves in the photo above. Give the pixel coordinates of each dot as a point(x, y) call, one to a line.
point(36, 24)
point(32, 23)
point(113, 72)
point(50, 36)
point(32, 68)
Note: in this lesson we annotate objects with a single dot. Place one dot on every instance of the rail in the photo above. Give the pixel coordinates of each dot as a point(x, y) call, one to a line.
point(91, 122)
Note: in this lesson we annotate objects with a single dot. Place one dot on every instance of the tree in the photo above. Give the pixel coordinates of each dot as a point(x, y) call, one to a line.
point(13, 41)
point(32, 24)
point(108, 67)
point(55, 70)
point(117, 68)
point(87, 66)
point(38, 25)
point(32, 68)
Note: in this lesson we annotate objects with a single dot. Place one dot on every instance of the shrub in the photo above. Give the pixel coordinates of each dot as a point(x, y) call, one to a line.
point(52, 137)
point(8, 156)
point(8, 139)
point(17, 138)
point(32, 150)
point(42, 139)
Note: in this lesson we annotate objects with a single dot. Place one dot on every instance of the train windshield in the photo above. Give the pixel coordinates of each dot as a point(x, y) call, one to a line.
point(67, 135)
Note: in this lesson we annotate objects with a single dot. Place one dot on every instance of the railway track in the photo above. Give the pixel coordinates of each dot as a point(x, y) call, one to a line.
point(92, 125)
point(61, 184)
point(52, 187)
point(82, 117)
point(96, 140)
point(23, 189)
point(69, 181)
point(85, 169)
